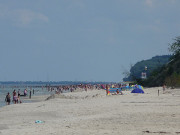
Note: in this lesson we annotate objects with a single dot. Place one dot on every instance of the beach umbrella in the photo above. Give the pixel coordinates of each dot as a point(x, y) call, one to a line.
point(140, 87)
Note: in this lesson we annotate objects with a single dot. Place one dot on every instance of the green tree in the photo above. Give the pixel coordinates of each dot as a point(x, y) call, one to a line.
point(169, 74)
point(172, 80)
point(175, 47)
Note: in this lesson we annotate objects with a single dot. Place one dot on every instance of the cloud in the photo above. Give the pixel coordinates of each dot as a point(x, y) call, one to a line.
point(173, 1)
point(149, 3)
point(76, 4)
point(26, 17)
point(3, 11)
point(22, 17)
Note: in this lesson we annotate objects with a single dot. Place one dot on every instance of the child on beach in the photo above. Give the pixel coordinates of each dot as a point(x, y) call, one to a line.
point(18, 99)
point(117, 91)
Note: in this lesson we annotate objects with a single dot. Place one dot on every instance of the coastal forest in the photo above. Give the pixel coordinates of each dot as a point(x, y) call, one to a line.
point(160, 70)
point(146, 66)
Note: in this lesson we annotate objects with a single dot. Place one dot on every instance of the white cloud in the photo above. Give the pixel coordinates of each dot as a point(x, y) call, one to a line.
point(21, 17)
point(3, 11)
point(149, 3)
point(26, 17)
point(173, 1)
point(76, 4)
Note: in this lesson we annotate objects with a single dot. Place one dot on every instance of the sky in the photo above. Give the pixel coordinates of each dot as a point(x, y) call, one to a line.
point(82, 40)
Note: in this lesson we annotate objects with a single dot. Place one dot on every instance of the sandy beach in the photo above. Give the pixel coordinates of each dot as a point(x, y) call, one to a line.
point(94, 113)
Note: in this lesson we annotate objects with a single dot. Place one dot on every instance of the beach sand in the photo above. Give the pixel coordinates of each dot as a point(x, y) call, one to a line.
point(94, 113)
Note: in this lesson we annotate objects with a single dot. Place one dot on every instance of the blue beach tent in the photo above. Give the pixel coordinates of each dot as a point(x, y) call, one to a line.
point(137, 90)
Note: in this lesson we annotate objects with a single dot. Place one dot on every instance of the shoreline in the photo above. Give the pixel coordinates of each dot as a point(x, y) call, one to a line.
point(33, 99)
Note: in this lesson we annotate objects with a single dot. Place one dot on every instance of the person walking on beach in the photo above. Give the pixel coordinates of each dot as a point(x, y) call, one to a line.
point(8, 99)
point(14, 97)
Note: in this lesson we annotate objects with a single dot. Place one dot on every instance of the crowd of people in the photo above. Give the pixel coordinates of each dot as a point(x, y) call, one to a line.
point(62, 89)
point(71, 88)
point(15, 97)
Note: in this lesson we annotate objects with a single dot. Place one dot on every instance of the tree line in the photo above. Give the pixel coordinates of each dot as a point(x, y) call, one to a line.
point(163, 74)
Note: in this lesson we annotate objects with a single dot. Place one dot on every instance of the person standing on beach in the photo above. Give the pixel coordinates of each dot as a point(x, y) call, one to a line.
point(86, 88)
point(14, 97)
point(164, 87)
point(18, 99)
point(8, 99)
point(25, 92)
point(107, 90)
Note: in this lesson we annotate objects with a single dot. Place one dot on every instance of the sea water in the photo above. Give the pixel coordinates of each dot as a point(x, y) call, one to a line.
point(37, 92)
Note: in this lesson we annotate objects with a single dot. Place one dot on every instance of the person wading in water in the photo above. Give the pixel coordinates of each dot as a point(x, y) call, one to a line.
point(8, 99)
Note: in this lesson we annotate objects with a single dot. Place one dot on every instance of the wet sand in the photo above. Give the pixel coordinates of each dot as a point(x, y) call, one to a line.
point(92, 112)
